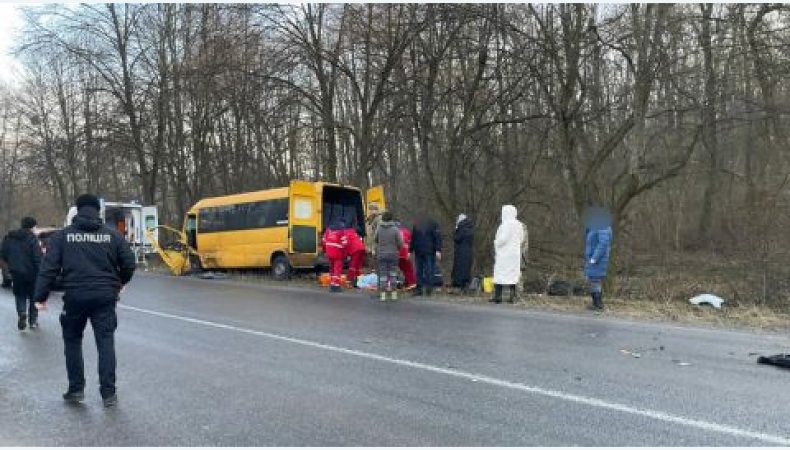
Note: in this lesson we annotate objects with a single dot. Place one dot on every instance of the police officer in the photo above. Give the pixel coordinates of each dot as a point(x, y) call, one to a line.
point(96, 262)
point(22, 252)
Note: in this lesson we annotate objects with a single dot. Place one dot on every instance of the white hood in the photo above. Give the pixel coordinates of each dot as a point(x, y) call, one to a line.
point(509, 212)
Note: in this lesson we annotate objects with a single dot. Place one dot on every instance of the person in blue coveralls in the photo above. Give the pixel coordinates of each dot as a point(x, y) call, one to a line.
point(598, 244)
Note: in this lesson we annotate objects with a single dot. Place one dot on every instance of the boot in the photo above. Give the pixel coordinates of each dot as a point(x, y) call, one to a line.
point(394, 295)
point(597, 303)
point(22, 323)
point(383, 296)
point(512, 298)
point(110, 401)
point(74, 396)
point(497, 294)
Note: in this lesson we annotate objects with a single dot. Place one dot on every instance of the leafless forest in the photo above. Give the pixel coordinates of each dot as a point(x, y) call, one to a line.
point(674, 116)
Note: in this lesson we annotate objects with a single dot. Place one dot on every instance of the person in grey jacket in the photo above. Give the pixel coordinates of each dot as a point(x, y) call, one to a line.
point(388, 245)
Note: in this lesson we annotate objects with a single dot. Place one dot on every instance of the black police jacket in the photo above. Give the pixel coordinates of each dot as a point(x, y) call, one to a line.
point(22, 252)
point(95, 261)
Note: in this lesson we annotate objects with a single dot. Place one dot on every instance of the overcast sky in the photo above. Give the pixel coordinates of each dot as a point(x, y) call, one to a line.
point(10, 25)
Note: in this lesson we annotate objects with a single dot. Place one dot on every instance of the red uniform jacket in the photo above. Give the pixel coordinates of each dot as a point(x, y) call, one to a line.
point(354, 242)
point(333, 242)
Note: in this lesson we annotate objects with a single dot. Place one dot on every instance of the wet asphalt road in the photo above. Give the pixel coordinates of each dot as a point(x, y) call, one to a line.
point(220, 363)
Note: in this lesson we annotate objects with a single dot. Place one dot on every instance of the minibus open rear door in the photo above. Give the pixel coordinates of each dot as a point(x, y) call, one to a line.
point(375, 195)
point(303, 218)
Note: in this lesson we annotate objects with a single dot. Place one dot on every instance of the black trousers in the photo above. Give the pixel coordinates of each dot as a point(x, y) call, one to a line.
point(426, 271)
point(23, 293)
point(73, 319)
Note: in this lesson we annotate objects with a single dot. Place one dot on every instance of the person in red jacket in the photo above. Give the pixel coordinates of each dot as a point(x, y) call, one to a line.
point(404, 262)
point(334, 243)
point(355, 247)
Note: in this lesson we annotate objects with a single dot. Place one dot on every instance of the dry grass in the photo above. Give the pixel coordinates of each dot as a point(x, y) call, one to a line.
point(668, 306)
point(752, 317)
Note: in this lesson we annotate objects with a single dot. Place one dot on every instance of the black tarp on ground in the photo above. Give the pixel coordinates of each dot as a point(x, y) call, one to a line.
point(782, 360)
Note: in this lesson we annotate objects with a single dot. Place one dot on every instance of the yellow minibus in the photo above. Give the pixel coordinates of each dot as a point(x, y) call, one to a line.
point(274, 228)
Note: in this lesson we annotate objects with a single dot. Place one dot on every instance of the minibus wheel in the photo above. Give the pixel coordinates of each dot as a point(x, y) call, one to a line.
point(281, 268)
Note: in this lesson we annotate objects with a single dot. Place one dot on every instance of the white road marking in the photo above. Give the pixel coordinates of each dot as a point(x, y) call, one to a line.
point(580, 399)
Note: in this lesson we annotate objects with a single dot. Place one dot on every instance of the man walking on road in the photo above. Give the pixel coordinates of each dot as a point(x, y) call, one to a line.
point(96, 263)
point(22, 252)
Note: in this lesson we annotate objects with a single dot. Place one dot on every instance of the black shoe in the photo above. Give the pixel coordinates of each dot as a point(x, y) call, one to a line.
point(495, 300)
point(22, 323)
point(110, 401)
point(595, 307)
point(597, 301)
point(33, 325)
point(74, 396)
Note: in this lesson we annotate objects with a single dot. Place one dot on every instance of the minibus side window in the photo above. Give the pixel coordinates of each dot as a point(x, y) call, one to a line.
point(279, 212)
point(267, 214)
point(244, 216)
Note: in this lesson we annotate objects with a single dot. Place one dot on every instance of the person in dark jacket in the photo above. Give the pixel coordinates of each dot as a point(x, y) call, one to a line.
point(426, 244)
point(96, 262)
point(22, 252)
point(462, 257)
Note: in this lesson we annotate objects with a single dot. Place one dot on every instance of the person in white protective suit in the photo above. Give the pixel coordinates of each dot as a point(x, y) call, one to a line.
point(507, 247)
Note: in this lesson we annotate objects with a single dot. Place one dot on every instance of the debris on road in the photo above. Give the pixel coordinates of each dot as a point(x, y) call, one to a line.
point(781, 360)
point(629, 352)
point(707, 299)
point(637, 353)
point(212, 276)
point(681, 363)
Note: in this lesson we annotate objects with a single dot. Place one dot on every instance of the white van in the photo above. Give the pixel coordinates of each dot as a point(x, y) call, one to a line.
point(131, 220)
